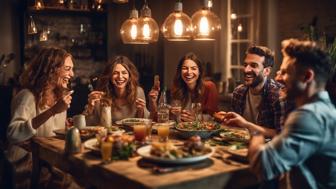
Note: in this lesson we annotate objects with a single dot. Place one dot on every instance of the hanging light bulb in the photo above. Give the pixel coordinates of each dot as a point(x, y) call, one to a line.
point(130, 29)
point(120, 1)
point(31, 26)
point(177, 26)
point(240, 28)
point(149, 30)
point(39, 4)
point(205, 23)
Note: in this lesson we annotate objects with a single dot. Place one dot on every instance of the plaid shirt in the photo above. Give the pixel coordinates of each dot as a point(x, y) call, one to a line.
point(269, 109)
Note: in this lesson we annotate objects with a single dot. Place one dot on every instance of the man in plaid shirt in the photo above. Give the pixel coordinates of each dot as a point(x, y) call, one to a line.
point(256, 103)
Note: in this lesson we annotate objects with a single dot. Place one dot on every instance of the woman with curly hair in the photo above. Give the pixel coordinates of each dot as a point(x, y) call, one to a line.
point(118, 86)
point(190, 87)
point(40, 107)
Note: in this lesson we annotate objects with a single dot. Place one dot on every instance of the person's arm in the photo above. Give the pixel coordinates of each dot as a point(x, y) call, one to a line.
point(61, 105)
point(25, 120)
point(300, 139)
point(211, 98)
point(234, 119)
point(141, 111)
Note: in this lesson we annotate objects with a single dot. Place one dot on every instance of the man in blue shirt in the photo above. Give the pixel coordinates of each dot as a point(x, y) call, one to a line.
point(307, 145)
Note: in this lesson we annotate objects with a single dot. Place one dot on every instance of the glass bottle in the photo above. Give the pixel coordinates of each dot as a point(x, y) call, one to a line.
point(163, 109)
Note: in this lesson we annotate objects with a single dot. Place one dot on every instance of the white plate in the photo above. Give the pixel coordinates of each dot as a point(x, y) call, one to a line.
point(145, 153)
point(91, 144)
point(132, 121)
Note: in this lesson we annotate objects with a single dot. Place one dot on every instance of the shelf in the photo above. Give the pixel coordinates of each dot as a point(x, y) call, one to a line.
point(57, 10)
point(241, 41)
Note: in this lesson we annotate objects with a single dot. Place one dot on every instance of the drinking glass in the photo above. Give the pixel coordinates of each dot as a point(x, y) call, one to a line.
point(106, 150)
point(149, 126)
point(197, 110)
point(176, 110)
point(163, 114)
point(163, 132)
point(106, 116)
point(140, 132)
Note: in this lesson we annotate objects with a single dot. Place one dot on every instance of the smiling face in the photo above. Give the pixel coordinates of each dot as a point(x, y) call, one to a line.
point(65, 73)
point(120, 76)
point(291, 78)
point(254, 71)
point(190, 73)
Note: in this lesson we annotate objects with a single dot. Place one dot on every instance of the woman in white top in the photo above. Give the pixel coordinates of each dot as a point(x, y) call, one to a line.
point(40, 107)
point(118, 85)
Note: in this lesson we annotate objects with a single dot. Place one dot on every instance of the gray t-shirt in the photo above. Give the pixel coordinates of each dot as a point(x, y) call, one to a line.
point(306, 147)
point(252, 103)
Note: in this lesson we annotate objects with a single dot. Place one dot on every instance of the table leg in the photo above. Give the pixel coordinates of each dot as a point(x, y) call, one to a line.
point(36, 166)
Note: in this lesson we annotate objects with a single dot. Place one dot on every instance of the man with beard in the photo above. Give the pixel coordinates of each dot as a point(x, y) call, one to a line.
point(306, 146)
point(256, 103)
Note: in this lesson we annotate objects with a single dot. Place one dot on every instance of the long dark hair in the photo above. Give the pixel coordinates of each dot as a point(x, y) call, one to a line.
point(42, 73)
point(180, 89)
point(105, 84)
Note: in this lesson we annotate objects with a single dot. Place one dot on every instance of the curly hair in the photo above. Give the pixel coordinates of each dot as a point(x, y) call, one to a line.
point(42, 74)
point(308, 55)
point(105, 84)
point(262, 51)
point(180, 89)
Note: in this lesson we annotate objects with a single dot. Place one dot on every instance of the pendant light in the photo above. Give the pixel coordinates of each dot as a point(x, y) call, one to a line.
point(120, 1)
point(31, 26)
point(177, 26)
point(130, 30)
point(39, 4)
point(205, 23)
point(149, 29)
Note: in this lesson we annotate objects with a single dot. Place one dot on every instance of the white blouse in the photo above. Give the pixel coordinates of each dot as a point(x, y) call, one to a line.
point(23, 110)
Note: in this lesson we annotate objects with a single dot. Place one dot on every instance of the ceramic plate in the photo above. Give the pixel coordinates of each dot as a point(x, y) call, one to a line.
point(91, 144)
point(145, 153)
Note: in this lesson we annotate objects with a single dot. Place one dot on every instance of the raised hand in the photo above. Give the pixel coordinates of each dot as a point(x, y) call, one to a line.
point(234, 119)
point(62, 104)
point(187, 116)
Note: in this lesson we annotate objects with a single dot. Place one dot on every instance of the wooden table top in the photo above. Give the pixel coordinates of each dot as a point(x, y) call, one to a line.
point(88, 169)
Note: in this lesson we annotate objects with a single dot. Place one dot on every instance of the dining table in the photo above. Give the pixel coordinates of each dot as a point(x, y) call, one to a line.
point(216, 172)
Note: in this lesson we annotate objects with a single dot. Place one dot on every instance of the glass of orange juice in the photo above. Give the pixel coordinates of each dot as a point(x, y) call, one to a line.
point(106, 150)
point(163, 131)
point(140, 132)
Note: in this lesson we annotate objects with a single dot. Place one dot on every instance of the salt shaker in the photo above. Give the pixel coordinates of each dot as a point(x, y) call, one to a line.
point(72, 141)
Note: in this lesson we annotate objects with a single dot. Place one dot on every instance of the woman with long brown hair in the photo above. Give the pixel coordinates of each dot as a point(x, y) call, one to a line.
point(190, 87)
point(40, 107)
point(119, 85)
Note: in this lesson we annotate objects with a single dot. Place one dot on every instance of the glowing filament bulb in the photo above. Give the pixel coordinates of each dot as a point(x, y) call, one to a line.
point(178, 27)
point(204, 26)
point(133, 32)
point(240, 28)
point(146, 31)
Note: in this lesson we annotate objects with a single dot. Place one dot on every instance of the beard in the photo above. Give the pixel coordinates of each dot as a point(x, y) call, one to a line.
point(257, 79)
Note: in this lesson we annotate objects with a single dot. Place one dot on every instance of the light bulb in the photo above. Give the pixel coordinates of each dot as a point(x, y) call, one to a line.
point(233, 16)
point(178, 27)
point(146, 31)
point(133, 32)
point(240, 28)
point(204, 26)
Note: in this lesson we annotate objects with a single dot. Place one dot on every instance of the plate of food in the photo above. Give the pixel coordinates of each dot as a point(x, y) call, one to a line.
point(192, 151)
point(132, 121)
point(235, 134)
point(85, 133)
point(203, 129)
point(123, 145)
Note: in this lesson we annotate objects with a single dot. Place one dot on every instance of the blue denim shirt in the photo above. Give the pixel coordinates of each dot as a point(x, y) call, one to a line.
point(306, 147)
